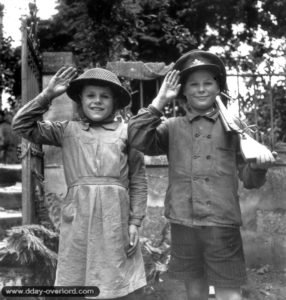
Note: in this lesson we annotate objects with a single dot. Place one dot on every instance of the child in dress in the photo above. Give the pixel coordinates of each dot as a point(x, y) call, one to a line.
point(107, 189)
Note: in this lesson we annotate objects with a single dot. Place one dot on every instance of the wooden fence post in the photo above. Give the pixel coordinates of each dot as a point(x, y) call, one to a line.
point(32, 157)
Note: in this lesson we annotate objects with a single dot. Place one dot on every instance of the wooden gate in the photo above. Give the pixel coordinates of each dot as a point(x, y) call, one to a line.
point(31, 154)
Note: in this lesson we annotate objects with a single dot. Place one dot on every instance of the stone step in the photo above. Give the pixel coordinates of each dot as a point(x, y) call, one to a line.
point(10, 174)
point(11, 196)
point(8, 219)
point(14, 276)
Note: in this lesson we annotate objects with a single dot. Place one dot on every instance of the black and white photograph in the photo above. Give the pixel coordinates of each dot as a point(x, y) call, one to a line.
point(143, 149)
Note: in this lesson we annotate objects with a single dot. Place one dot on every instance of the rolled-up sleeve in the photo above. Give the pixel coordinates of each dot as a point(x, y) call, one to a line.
point(147, 133)
point(28, 123)
point(137, 187)
point(251, 178)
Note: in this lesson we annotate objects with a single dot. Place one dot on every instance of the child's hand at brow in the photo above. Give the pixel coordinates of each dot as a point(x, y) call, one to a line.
point(168, 91)
point(60, 81)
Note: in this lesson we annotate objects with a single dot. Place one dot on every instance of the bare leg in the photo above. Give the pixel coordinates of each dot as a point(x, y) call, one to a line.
point(197, 289)
point(228, 294)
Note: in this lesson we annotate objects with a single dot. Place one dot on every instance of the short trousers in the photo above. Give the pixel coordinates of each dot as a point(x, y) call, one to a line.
point(210, 252)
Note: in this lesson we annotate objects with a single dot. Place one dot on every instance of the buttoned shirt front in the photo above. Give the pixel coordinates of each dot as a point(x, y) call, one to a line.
point(204, 166)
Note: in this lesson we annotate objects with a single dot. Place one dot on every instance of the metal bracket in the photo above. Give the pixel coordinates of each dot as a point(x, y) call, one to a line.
point(36, 152)
point(23, 151)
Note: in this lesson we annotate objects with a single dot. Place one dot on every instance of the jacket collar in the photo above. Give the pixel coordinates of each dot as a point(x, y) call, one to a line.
point(213, 115)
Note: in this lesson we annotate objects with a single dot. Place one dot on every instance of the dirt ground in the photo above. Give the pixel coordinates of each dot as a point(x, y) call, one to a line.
point(264, 282)
point(268, 286)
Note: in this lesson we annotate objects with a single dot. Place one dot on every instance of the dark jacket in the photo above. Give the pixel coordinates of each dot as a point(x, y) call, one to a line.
point(204, 166)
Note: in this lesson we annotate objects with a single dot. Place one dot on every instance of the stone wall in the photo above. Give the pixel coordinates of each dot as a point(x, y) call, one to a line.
point(264, 216)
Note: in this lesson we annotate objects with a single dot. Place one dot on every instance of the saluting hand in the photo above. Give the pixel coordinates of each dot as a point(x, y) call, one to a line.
point(168, 90)
point(60, 81)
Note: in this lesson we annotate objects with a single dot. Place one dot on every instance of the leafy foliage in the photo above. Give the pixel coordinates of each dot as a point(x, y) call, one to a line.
point(98, 31)
point(32, 246)
point(272, 15)
point(9, 64)
point(219, 15)
point(258, 109)
point(93, 30)
point(160, 36)
point(9, 67)
point(157, 30)
point(156, 253)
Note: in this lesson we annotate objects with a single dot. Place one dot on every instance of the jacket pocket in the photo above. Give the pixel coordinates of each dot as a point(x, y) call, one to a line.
point(225, 160)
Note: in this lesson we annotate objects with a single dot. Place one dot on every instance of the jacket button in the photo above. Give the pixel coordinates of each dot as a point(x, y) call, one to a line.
point(197, 134)
point(208, 157)
point(207, 179)
point(209, 136)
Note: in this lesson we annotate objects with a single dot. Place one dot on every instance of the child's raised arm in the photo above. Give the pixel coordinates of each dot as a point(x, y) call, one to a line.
point(168, 91)
point(28, 120)
point(59, 82)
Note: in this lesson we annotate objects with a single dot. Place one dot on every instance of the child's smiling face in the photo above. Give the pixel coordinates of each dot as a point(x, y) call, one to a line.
point(97, 102)
point(201, 90)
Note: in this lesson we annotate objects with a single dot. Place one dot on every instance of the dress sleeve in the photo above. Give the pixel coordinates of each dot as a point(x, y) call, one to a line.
point(147, 133)
point(137, 186)
point(28, 123)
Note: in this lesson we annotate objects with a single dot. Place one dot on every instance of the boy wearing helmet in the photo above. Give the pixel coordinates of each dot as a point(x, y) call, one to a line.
point(201, 202)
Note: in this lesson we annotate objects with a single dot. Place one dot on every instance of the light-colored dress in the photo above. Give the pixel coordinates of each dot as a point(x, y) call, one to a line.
point(107, 191)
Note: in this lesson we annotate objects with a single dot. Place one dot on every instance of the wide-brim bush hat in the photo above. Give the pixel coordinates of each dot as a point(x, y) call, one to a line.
point(99, 76)
point(201, 60)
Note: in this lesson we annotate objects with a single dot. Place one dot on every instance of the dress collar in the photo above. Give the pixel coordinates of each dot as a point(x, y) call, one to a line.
point(108, 126)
